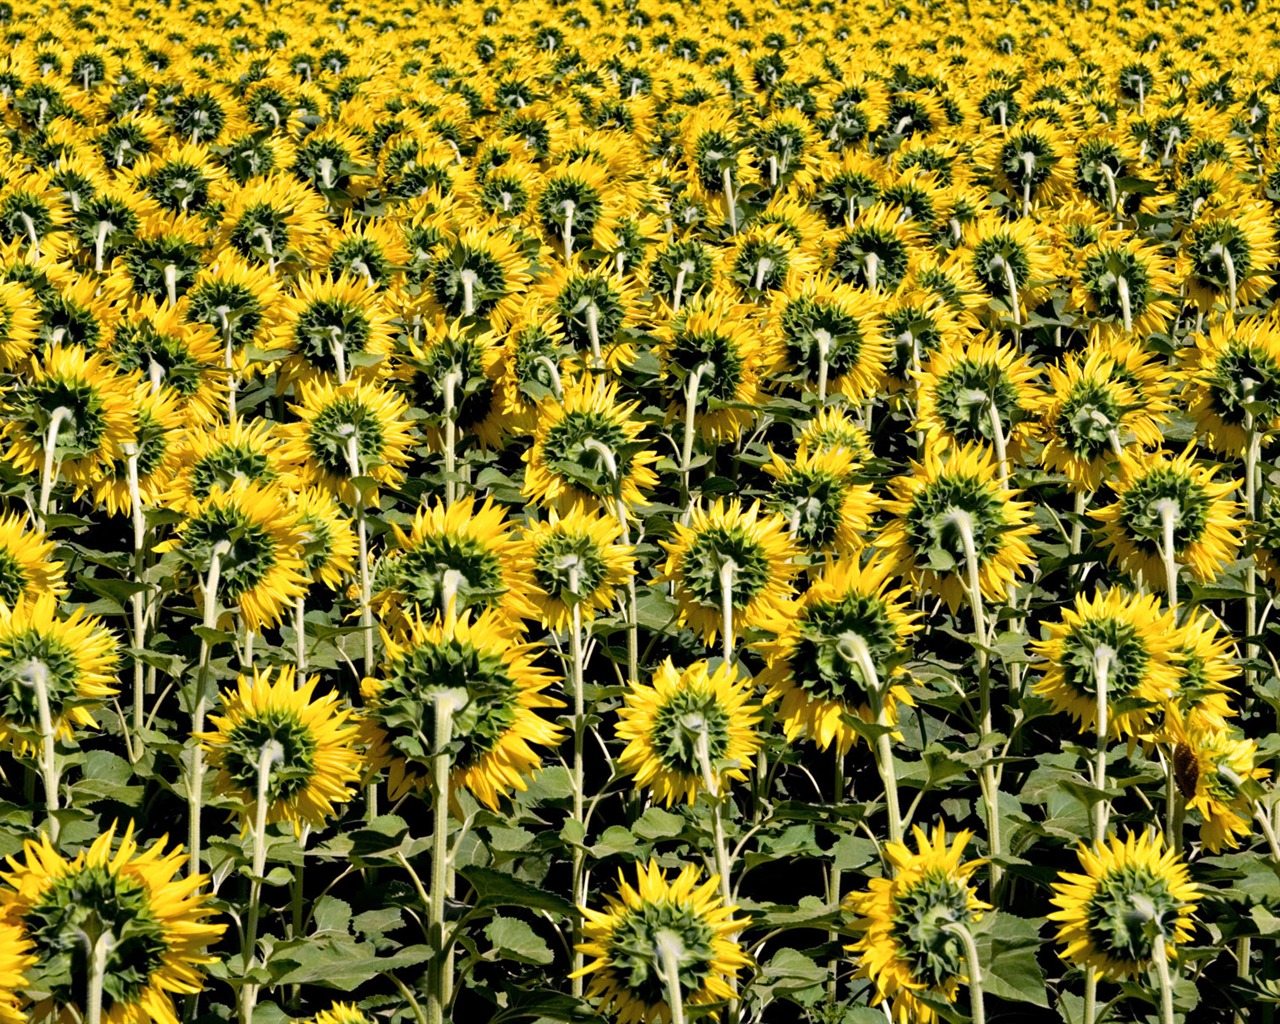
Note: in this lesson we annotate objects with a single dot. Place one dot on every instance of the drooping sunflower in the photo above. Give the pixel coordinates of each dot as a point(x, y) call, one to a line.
point(746, 552)
point(27, 566)
point(667, 726)
point(831, 429)
point(583, 450)
point(468, 359)
point(339, 327)
point(308, 744)
point(826, 326)
point(257, 541)
point(1126, 287)
point(1227, 255)
point(157, 424)
point(208, 460)
point(533, 359)
point(174, 354)
point(907, 942)
point(1233, 376)
point(815, 670)
point(482, 273)
point(1206, 525)
point(89, 405)
point(825, 508)
point(347, 431)
point(19, 323)
point(945, 505)
point(1215, 768)
point(970, 389)
point(494, 688)
point(716, 339)
point(155, 923)
point(328, 540)
point(1115, 640)
point(574, 559)
point(458, 553)
point(1009, 260)
point(75, 658)
point(630, 942)
point(1131, 890)
point(1088, 417)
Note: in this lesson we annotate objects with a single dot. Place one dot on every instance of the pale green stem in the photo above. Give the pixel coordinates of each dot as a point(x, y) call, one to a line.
point(97, 977)
point(727, 177)
point(727, 569)
point(339, 354)
point(569, 208)
point(1230, 264)
point(440, 985)
point(195, 784)
point(998, 439)
point(690, 422)
point(823, 338)
point(977, 1005)
point(137, 601)
point(579, 767)
point(270, 753)
point(711, 783)
point(836, 882)
point(1168, 509)
point(554, 370)
point(60, 415)
point(668, 948)
point(1161, 957)
point(362, 535)
point(38, 679)
point(171, 283)
point(1126, 309)
point(300, 641)
point(620, 506)
point(451, 381)
point(593, 334)
point(871, 266)
point(1252, 454)
point(469, 281)
point(878, 693)
point(990, 789)
point(1011, 282)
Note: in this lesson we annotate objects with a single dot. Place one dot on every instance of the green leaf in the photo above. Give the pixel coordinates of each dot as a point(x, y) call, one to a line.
point(514, 939)
point(496, 889)
point(657, 823)
point(1008, 947)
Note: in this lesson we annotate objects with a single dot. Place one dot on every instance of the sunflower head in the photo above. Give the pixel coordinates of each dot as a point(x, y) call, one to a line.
point(1130, 891)
point(908, 924)
point(691, 730)
point(274, 736)
point(641, 930)
point(826, 509)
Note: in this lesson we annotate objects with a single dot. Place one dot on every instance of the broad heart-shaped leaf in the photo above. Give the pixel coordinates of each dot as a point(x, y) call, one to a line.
point(1007, 947)
point(337, 963)
point(495, 889)
point(514, 939)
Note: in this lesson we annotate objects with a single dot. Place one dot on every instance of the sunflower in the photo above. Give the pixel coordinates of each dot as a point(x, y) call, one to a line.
point(668, 724)
point(470, 357)
point(944, 508)
point(1126, 287)
point(370, 248)
point(584, 450)
point(831, 334)
point(533, 358)
point(481, 273)
point(747, 553)
point(833, 428)
point(907, 923)
point(28, 569)
point(1114, 643)
point(574, 560)
point(1130, 892)
point(19, 323)
point(317, 762)
point(157, 423)
point(970, 389)
point(763, 257)
point(341, 1013)
point(815, 670)
point(212, 459)
point(1033, 164)
point(338, 327)
point(174, 355)
point(1010, 261)
point(235, 298)
point(1226, 257)
point(682, 922)
point(1215, 769)
point(876, 254)
point(1205, 657)
point(825, 508)
point(917, 324)
point(1088, 416)
point(1157, 492)
point(75, 657)
point(75, 398)
point(257, 541)
point(346, 432)
point(328, 541)
point(490, 680)
point(17, 957)
point(458, 553)
point(715, 339)
point(1233, 374)
point(276, 221)
point(152, 923)
point(594, 308)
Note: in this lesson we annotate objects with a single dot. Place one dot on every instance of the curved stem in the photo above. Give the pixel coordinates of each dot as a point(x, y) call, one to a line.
point(440, 984)
point(998, 438)
point(690, 422)
point(579, 771)
point(270, 753)
point(1011, 282)
point(60, 416)
point(871, 267)
point(977, 1004)
point(667, 950)
point(1169, 511)
point(362, 535)
point(451, 381)
point(727, 568)
point(39, 681)
point(1126, 306)
point(195, 783)
point(137, 600)
point(1160, 956)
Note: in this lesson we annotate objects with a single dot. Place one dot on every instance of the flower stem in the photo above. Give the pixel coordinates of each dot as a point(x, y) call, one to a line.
point(440, 984)
point(39, 681)
point(668, 948)
point(990, 788)
point(270, 753)
point(137, 600)
point(977, 1004)
point(362, 534)
point(823, 339)
point(195, 783)
point(727, 178)
point(1252, 453)
point(300, 631)
point(579, 771)
point(1011, 281)
point(1102, 659)
point(620, 507)
point(1126, 307)
point(998, 439)
point(1168, 510)
point(451, 381)
point(835, 881)
point(690, 420)
point(1161, 958)
point(97, 977)
point(727, 568)
point(60, 415)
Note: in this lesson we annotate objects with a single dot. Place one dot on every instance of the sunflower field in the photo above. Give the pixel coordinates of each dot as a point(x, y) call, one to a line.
point(639, 511)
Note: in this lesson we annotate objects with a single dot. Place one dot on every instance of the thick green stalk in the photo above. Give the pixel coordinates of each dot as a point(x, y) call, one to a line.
point(195, 780)
point(440, 984)
point(270, 753)
point(977, 1004)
